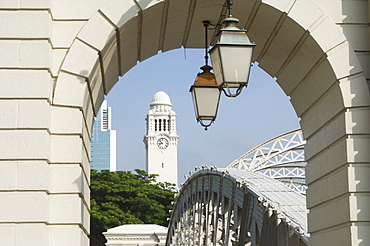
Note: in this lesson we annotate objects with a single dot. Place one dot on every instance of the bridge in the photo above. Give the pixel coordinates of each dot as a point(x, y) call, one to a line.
point(259, 199)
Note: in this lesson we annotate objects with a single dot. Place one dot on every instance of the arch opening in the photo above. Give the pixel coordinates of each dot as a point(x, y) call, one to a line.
point(307, 66)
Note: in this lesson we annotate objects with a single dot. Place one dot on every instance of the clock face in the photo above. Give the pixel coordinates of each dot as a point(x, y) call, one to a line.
point(162, 143)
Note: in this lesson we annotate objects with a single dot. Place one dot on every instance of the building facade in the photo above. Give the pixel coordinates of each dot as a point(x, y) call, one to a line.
point(103, 141)
point(161, 139)
point(60, 57)
point(132, 235)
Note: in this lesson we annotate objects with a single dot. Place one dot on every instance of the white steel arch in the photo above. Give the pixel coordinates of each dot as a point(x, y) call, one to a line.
point(280, 158)
point(237, 207)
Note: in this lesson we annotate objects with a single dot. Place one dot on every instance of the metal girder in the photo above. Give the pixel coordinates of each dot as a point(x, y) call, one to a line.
point(236, 207)
point(280, 158)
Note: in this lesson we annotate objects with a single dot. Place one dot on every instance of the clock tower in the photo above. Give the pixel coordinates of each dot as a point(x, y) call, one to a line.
point(161, 139)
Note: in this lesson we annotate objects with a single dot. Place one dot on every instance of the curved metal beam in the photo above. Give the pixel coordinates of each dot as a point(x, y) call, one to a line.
point(236, 207)
point(281, 158)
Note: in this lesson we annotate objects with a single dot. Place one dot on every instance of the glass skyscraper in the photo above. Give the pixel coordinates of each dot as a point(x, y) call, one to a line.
point(103, 141)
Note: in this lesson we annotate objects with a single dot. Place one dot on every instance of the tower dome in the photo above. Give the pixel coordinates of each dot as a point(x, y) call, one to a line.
point(161, 98)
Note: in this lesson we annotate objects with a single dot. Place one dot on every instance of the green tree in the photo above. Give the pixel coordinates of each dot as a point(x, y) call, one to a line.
point(123, 197)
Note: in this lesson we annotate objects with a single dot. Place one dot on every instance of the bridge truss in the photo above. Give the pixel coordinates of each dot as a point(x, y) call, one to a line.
point(280, 158)
point(257, 200)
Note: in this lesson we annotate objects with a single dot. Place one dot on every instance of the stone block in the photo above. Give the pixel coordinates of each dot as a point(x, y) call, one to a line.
point(10, 53)
point(326, 136)
point(119, 12)
point(281, 47)
point(97, 31)
point(129, 46)
point(364, 59)
point(322, 216)
point(151, 31)
point(24, 175)
point(357, 36)
point(31, 234)
point(89, 115)
point(66, 149)
point(8, 175)
point(299, 11)
point(353, 11)
point(325, 108)
point(355, 91)
point(33, 175)
point(314, 85)
point(86, 141)
point(84, 238)
point(357, 121)
point(299, 65)
point(24, 234)
point(86, 190)
point(340, 235)
point(328, 187)
point(65, 208)
point(25, 53)
point(35, 54)
point(344, 61)
point(327, 35)
point(24, 206)
point(358, 148)
point(326, 161)
point(359, 204)
point(66, 178)
point(176, 23)
point(283, 6)
point(359, 178)
point(7, 232)
point(111, 70)
point(24, 144)
point(65, 32)
point(57, 62)
point(75, 10)
point(62, 235)
point(34, 114)
point(25, 84)
point(8, 113)
point(146, 4)
point(66, 120)
point(86, 169)
point(262, 26)
point(81, 59)
point(70, 90)
point(360, 232)
point(25, 4)
point(97, 88)
point(25, 24)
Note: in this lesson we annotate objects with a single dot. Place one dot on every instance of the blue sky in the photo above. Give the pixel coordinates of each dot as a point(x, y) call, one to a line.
point(261, 112)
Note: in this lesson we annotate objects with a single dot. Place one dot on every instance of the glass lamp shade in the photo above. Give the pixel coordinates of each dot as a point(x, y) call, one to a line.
point(206, 97)
point(231, 56)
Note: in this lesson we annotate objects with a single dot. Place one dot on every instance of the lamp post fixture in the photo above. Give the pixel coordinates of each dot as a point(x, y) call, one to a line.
point(205, 91)
point(231, 57)
point(206, 97)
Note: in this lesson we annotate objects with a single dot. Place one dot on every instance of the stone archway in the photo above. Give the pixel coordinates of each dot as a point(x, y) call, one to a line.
point(88, 45)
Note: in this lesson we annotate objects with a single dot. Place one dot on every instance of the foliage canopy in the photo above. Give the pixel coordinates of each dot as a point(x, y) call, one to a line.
point(123, 197)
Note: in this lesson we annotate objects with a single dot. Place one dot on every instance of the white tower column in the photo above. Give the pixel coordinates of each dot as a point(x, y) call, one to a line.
point(161, 139)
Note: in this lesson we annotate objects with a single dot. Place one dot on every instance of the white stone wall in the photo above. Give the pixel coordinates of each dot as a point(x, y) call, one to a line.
point(59, 57)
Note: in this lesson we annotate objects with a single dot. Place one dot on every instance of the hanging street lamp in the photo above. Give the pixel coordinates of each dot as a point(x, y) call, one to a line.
point(205, 91)
point(231, 56)
point(206, 96)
